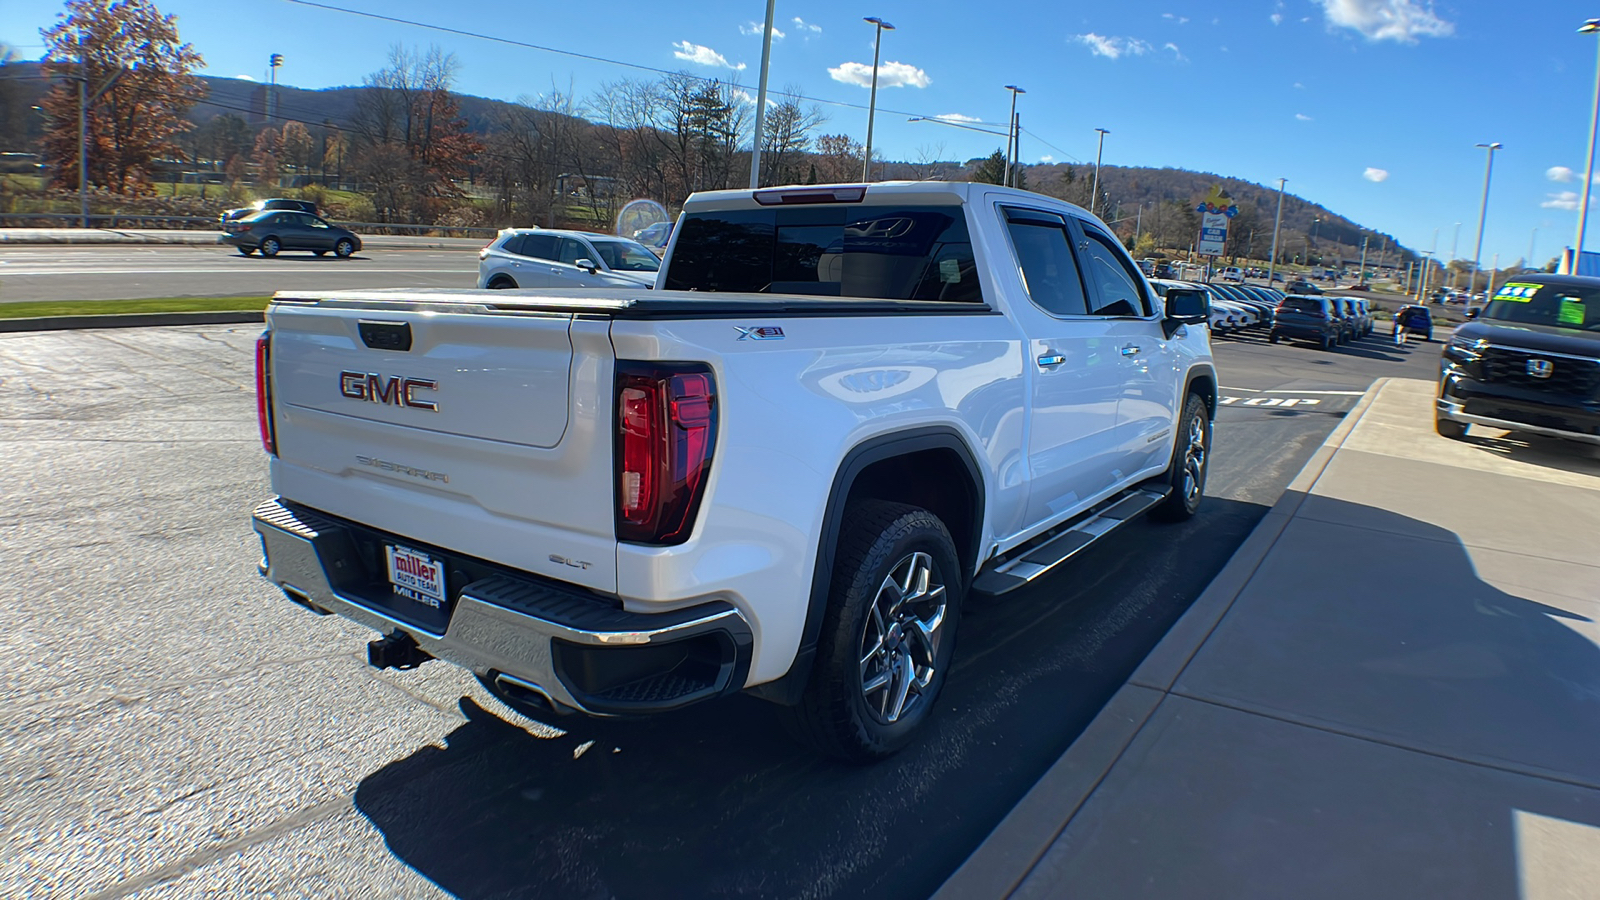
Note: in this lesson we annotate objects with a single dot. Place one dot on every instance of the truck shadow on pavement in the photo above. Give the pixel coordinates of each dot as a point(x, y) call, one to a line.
point(1451, 747)
point(717, 801)
point(1553, 453)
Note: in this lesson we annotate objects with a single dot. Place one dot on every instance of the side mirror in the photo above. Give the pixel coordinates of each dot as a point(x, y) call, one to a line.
point(587, 263)
point(1473, 312)
point(1184, 307)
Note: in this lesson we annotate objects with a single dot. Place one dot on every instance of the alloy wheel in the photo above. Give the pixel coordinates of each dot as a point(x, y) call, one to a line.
point(1194, 460)
point(900, 644)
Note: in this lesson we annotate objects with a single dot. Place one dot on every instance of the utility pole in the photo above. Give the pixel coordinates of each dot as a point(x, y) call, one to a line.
point(1016, 146)
point(1361, 277)
point(1272, 264)
point(761, 99)
point(1094, 193)
point(84, 99)
point(1453, 239)
point(1011, 137)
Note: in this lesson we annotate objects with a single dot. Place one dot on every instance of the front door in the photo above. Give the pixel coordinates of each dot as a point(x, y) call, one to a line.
point(566, 273)
point(1076, 371)
point(1146, 406)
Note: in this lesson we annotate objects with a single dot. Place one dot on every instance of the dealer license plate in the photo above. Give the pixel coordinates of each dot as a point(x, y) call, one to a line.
point(416, 575)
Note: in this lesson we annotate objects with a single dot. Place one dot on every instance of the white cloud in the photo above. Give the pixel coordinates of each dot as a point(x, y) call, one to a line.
point(1298, 86)
point(1112, 47)
point(1563, 200)
point(1177, 54)
point(1375, 175)
point(1181, 20)
point(1561, 174)
point(803, 25)
point(754, 29)
point(1302, 117)
point(1276, 18)
point(703, 56)
point(1047, 158)
point(1388, 20)
point(890, 74)
point(957, 117)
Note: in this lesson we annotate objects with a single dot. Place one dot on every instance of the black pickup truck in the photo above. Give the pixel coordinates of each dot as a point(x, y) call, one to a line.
point(1528, 362)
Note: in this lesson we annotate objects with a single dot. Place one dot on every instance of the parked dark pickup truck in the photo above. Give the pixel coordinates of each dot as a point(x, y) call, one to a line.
point(1528, 362)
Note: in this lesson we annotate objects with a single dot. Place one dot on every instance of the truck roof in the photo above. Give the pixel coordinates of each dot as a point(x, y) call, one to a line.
point(902, 191)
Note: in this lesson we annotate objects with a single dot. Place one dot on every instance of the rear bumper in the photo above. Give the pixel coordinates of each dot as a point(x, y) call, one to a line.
point(573, 649)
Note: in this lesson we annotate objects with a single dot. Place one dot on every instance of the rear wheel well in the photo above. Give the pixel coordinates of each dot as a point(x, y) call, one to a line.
point(502, 281)
point(936, 480)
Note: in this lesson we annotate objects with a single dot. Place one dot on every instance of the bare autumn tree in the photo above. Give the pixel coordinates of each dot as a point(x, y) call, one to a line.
point(412, 144)
point(786, 136)
point(268, 156)
point(838, 159)
point(128, 49)
point(297, 147)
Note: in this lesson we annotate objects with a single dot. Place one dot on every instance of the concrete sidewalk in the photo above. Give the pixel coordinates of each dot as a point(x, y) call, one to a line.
point(1392, 690)
point(191, 237)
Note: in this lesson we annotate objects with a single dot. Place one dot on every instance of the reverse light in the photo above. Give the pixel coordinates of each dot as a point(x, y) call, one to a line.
point(269, 440)
point(666, 430)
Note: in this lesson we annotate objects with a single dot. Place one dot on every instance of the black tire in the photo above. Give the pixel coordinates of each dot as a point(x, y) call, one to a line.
point(1272, 338)
point(270, 247)
point(1327, 343)
point(344, 248)
point(246, 251)
point(1450, 428)
point(319, 252)
point(838, 715)
point(1186, 474)
point(502, 283)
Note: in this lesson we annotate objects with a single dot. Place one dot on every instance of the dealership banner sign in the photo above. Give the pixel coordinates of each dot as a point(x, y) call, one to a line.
point(1214, 212)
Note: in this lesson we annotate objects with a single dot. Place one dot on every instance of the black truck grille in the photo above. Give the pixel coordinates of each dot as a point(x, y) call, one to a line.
point(1577, 377)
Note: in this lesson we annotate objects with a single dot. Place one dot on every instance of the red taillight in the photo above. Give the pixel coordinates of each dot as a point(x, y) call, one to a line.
point(666, 429)
point(264, 392)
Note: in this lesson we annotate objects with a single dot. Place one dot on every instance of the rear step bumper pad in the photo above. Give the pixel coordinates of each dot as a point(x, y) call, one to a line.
point(574, 648)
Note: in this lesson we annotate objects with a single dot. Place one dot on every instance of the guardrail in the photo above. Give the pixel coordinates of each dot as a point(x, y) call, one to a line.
point(209, 223)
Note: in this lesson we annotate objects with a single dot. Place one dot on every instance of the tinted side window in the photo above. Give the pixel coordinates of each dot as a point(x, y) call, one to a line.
point(538, 246)
point(1049, 271)
point(573, 250)
point(1114, 278)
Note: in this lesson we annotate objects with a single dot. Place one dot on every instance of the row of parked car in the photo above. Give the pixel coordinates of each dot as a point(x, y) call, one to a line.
point(1322, 320)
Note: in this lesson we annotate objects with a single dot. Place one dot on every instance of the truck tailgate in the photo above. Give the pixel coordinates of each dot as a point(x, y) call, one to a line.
point(453, 428)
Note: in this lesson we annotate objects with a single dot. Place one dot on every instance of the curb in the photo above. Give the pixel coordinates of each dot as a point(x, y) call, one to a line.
point(1015, 846)
point(131, 320)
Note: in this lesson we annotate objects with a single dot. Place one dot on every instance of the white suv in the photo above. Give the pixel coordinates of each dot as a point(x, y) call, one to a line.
point(543, 258)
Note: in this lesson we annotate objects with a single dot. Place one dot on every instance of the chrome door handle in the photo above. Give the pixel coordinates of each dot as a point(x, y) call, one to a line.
point(1048, 361)
point(1130, 350)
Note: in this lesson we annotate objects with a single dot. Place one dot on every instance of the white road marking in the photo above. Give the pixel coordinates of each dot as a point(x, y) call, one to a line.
point(1248, 390)
point(1339, 393)
point(1279, 402)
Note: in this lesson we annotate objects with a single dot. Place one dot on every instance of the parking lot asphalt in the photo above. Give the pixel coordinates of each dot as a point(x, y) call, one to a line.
point(126, 272)
point(174, 727)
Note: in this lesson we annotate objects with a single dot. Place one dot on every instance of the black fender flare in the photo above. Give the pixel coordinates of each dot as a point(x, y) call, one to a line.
point(1195, 373)
point(787, 688)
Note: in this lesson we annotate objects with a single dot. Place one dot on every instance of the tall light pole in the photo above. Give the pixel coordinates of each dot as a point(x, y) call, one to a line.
point(1098, 153)
point(1483, 213)
point(872, 103)
point(84, 99)
point(273, 62)
point(1272, 264)
point(1590, 27)
point(761, 99)
point(1011, 132)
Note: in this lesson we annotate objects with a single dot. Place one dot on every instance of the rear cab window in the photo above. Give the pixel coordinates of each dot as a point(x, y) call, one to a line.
point(879, 250)
point(1303, 305)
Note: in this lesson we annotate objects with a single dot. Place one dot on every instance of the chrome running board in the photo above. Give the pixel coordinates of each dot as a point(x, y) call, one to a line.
point(1033, 559)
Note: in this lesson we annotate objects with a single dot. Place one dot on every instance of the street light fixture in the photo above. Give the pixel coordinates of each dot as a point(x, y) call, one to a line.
point(1590, 27)
point(1483, 214)
point(1095, 191)
point(872, 103)
point(1011, 133)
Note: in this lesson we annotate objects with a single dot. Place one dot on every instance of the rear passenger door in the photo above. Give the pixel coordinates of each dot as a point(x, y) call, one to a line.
point(1076, 372)
point(535, 253)
point(1147, 363)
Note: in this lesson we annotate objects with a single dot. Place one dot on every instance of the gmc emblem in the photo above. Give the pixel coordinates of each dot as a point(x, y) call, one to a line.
point(397, 391)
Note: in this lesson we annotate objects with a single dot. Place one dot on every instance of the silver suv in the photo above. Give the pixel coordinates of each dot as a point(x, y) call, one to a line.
point(538, 257)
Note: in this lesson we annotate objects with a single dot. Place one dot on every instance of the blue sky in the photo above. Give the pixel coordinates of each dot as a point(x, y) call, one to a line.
point(1371, 107)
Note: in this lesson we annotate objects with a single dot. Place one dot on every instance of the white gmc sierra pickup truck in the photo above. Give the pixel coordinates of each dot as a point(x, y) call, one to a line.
point(842, 408)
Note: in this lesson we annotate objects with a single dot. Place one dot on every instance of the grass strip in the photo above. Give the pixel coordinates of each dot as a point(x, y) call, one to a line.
point(36, 309)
